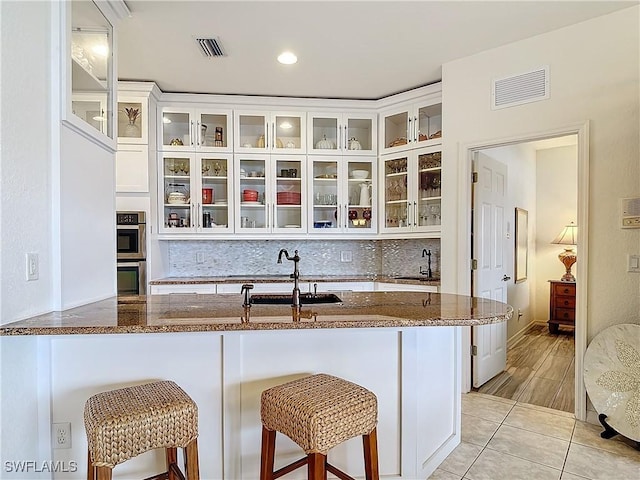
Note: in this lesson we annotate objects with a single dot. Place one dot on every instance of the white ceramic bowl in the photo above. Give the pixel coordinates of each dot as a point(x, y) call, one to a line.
point(360, 174)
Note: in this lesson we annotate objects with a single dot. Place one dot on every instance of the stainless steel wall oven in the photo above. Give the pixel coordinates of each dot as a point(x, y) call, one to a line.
point(132, 253)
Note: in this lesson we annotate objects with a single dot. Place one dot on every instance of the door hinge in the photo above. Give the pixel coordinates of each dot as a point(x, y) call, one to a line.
point(474, 177)
point(474, 264)
point(474, 350)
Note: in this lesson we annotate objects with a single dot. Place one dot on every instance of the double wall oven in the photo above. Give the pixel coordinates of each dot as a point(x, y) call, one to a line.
point(132, 253)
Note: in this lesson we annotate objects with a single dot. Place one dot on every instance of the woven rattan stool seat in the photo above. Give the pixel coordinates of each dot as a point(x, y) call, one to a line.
point(124, 423)
point(319, 412)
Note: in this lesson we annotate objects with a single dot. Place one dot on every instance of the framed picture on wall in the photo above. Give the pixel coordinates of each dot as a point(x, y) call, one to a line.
point(522, 245)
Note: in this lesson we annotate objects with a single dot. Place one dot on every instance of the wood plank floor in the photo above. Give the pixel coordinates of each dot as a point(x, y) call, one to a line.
point(540, 370)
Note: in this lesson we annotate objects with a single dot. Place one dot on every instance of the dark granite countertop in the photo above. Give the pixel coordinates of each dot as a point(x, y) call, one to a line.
point(224, 312)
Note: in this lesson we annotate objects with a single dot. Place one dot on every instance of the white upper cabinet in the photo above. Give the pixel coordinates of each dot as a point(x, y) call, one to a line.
point(194, 129)
point(346, 133)
point(273, 132)
point(411, 125)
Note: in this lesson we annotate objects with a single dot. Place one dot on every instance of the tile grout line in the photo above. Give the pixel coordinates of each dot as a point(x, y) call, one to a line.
point(573, 431)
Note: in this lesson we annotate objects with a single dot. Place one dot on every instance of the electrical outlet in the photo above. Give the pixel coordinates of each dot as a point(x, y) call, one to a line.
point(33, 267)
point(61, 435)
point(200, 257)
point(346, 256)
point(633, 263)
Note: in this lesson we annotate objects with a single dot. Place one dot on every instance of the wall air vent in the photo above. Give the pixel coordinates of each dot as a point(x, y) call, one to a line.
point(210, 47)
point(519, 89)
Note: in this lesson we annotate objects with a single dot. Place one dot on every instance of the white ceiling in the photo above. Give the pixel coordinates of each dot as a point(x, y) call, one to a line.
point(359, 49)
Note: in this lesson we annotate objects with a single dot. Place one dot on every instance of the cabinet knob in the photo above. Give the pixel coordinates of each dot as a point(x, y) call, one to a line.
point(566, 290)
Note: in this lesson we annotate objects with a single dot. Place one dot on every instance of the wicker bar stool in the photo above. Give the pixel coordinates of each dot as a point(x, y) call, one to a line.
point(318, 412)
point(124, 423)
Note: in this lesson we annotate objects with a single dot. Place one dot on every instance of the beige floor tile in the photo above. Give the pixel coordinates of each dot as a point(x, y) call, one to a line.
point(476, 430)
point(537, 421)
point(491, 397)
point(571, 476)
point(492, 465)
point(531, 446)
point(551, 411)
point(485, 407)
point(601, 465)
point(442, 475)
point(461, 458)
point(589, 435)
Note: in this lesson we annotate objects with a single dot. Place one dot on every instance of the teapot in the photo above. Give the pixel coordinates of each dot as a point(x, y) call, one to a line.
point(324, 144)
point(365, 198)
point(354, 144)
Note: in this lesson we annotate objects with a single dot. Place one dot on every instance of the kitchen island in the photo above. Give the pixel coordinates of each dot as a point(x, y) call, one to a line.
point(404, 346)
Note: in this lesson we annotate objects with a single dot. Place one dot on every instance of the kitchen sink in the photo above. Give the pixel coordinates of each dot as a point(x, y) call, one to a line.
point(285, 299)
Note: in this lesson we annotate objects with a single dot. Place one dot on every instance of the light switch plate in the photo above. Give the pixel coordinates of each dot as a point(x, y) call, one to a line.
point(633, 263)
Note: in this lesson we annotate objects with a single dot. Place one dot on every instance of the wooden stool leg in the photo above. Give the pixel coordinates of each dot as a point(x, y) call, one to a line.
point(267, 454)
point(370, 444)
point(172, 459)
point(91, 473)
point(103, 473)
point(317, 466)
point(191, 467)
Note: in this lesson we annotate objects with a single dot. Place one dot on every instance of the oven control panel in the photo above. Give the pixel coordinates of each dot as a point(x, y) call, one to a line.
point(129, 218)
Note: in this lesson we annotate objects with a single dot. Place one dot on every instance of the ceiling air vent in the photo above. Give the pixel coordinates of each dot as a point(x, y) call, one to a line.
point(210, 47)
point(518, 89)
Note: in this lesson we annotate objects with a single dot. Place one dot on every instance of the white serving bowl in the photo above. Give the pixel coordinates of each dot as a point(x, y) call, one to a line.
point(361, 174)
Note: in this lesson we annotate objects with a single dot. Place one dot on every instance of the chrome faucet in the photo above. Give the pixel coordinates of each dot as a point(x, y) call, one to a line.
point(295, 298)
point(426, 253)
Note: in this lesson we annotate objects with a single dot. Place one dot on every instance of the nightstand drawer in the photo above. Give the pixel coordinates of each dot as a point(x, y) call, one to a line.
point(564, 314)
point(569, 290)
point(565, 302)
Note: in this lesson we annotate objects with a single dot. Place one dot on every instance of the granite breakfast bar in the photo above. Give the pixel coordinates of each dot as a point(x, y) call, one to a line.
point(404, 346)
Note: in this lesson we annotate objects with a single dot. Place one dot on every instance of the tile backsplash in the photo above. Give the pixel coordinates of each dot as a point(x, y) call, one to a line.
point(318, 257)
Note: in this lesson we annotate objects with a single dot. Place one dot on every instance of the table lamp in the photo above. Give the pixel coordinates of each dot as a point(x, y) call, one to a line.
point(569, 237)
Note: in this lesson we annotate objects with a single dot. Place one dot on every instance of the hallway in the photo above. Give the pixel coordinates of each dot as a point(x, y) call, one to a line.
point(540, 370)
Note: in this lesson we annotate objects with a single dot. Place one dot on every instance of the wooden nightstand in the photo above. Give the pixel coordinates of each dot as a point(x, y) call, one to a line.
point(562, 305)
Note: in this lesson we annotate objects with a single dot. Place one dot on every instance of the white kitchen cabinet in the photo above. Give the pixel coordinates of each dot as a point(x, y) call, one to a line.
point(411, 125)
point(402, 287)
point(410, 189)
point(132, 168)
point(266, 287)
point(339, 201)
point(272, 132)
point(344, 134)
point(270, 193)
point(203, 129)
point(200, 288)
point(195, 193)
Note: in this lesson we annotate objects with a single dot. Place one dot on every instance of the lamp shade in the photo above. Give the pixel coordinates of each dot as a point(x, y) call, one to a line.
point(568, 235)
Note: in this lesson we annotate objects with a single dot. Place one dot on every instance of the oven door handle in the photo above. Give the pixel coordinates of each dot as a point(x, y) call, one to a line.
point(129, 264)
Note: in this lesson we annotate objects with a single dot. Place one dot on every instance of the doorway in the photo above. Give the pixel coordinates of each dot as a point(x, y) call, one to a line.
point(528, 331)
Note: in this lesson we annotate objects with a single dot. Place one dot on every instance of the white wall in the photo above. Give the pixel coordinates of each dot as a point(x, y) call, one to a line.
point(557, 195)
point(25, 136)
point(594, 77)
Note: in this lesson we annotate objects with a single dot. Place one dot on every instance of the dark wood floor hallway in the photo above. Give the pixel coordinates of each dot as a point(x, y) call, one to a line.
point(540, 370)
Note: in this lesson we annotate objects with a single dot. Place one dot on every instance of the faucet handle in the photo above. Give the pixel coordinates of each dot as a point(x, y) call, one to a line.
point(246, 289)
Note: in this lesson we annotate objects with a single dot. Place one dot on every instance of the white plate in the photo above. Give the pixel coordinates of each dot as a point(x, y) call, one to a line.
point(250, 203)
point(292, 226)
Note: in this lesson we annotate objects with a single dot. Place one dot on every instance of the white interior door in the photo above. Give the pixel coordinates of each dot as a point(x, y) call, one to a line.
point(489, 278)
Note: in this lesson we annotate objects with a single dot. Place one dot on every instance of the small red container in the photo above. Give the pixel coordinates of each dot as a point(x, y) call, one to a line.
point(250, 195)
point(207, 195)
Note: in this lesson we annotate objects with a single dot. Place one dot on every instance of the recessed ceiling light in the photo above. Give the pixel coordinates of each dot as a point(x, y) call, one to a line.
point(287, 58)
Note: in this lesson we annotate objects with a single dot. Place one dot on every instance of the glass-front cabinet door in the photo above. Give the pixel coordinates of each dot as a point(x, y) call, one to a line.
point(347, 134)
point(274, 132)
point(411, 126)
point(411, 189)
point(195, 192)
point(343, 195)
point(203, 130)
point(271, 194)
point(176, 186)
point(215, 210)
